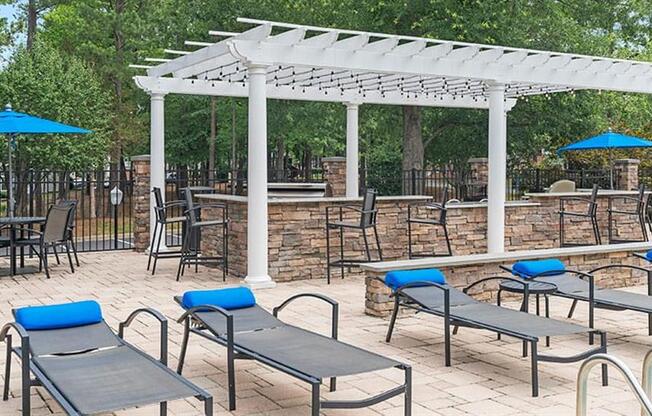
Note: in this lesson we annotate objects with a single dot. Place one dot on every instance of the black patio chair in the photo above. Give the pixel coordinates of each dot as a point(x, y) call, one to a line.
point(163, 219)
point(438, 219)
point(638, 212)
point(191, 252)
point(368, 215)
point(55, 233)
point(86, 367)
point(578, 286)
point(71, 228)
point(428, 292)
point(591, 214)
point(230, 317)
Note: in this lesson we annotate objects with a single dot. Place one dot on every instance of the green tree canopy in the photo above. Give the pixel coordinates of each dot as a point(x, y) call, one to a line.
point(108, 35)
point(46, 83)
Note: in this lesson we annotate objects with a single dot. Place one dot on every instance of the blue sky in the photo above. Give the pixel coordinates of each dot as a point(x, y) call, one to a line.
point(6, 12)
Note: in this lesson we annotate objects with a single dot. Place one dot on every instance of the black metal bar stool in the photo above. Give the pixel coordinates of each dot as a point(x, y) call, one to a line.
point(639, 212)
point(162, 220)
point(437, 221)
point(591, 214)
point(191, 252)
point(368, 214)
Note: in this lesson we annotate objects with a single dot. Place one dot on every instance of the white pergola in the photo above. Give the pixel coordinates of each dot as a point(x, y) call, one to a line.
point(296, 62)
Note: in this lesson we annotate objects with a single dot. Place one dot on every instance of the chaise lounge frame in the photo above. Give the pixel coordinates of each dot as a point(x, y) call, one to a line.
point(41, 379)
point(403, 299)
point(193, 323)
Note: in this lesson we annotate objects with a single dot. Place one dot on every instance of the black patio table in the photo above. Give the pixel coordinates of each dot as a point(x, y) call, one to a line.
point(534, 288)
point(13, 223)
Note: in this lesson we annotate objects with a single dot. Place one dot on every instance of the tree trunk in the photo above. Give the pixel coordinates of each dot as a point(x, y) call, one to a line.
point(100, 202)
point(307, 165)
point(412, 148)
point(92, 194)
point(32, 21)
point(279, 164)
point(211, 142)
point(119, 45)
point(412, 138)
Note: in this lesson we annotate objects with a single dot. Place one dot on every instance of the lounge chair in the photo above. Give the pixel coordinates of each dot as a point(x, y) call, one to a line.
point(579, 286)
point(86, 367)
point(427, 291)
point(231, 318)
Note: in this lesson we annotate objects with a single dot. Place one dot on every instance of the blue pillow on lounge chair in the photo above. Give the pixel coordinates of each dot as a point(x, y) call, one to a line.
point(548, 267)
point(396, 279)
point(648, 255)
point(67, 315)
point(228, 298)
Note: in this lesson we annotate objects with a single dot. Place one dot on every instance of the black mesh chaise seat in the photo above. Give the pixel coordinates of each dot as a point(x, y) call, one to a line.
point(251, 332)
point(579, 286)
point(459, 309)
point(88, 369)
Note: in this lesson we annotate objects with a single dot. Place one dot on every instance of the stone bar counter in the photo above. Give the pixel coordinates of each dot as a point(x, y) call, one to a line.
point(297, 236)
point(530, 224)
point(626, 227)
point(297, 233)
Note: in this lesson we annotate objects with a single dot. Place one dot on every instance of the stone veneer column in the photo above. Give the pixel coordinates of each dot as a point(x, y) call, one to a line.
point(141, 169)
point(626, 172)
point(479, 167)
point(334, 175)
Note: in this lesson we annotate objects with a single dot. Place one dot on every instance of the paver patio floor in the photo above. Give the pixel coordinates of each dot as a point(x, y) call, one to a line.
point(488, 377)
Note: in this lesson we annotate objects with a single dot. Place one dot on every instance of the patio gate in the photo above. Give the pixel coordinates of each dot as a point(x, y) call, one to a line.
point(99, 225)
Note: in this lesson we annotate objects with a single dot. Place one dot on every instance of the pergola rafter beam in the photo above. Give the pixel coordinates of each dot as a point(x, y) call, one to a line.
point(209, 52)
point(230, 89)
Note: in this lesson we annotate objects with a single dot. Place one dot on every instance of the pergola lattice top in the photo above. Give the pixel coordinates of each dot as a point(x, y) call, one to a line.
point(323, 64)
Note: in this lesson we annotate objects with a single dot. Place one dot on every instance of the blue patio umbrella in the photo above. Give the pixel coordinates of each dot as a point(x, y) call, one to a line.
point(607, 141)
point(13, 123)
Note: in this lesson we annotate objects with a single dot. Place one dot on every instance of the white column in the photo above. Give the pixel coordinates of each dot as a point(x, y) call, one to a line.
point(352, 139)
point(257, 233)
point(157, 156)
point(497, 169)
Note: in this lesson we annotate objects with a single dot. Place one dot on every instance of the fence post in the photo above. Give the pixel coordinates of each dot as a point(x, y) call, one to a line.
point(413, 186)
point(538, 180)
point(334, 170)
point(626, 174)
point(141, 201)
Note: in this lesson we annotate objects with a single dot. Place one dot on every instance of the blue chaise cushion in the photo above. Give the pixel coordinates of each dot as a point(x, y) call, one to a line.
point(531, 268)
point(648, 255)
point(66, 315)
point(398, 278)
point(229, 298)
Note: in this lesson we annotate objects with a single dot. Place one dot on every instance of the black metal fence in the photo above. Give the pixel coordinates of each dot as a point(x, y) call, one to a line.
point(521, 181)
point(466, 185)
point(460, 184)
point(230, 182)
point(99, 225)
point(645, 177)
point(222, 182)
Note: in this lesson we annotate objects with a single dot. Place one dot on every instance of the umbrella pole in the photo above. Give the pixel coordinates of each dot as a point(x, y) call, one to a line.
point(611, 168)
point(10, 181)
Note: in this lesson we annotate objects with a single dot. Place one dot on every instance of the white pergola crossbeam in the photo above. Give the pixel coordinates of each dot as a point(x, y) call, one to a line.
point(197, 43)
point(176, 52)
